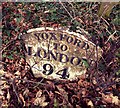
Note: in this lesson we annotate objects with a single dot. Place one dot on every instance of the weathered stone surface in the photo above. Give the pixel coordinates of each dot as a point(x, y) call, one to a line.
point(58, 54)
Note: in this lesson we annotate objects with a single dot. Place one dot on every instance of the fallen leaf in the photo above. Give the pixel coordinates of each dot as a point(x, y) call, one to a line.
point(39, 94)
point(56, 103)
point(90, 103)
point(8, 95)
point(40, 101)
point(26, 92)
point(1, 92)
point(94, 81)
point(80, 82)
point(84, 92)
point(107, 98)
point(1, 72)
point(51, 95)
point(22, 98)
point(115, 100)
point(2, 82)
point(17, 73)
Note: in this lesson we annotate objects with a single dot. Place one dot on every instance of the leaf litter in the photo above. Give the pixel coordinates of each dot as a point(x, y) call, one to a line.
point(99, 87)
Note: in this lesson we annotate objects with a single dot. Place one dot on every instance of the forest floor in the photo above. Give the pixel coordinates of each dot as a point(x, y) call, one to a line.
point(98, 88)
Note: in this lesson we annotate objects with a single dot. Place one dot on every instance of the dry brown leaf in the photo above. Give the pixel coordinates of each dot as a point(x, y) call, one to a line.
point(90, 103)
point(51, 84)
point(9, 75)
point(22, 98)
point(26, 92)
point(5, 104)
point(111, 99)
point(5, 86)
point(115, 100)
point(107, 98)
point(1, 92)
point(2, 82)
point(84, 92)
point(40, 101)
point(94, 81)
point(1, 72)
point(39, 94)
point(80, 82)
point(8, 95)
point(18, 73)
point(51, 95)
point(61, 90)
point(80, 20)
point(63, 94)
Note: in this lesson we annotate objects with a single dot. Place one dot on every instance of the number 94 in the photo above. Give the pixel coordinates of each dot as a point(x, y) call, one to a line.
point(48, 70)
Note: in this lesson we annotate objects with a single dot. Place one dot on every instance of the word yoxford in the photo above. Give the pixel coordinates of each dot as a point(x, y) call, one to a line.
point(57, 47)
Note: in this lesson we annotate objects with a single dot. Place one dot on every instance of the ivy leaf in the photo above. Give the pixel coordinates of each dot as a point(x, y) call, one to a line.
point(36, 21)
point(117, 55)
point(28, 15)
point(10, 57)
point(56, 104)
point(85, 62)
point(19, 19)
point(118, 73)
point(4, 55)
point(8, 32)
point(116, 21)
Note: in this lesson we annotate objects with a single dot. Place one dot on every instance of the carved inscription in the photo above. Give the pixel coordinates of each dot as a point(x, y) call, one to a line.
point(56, 54)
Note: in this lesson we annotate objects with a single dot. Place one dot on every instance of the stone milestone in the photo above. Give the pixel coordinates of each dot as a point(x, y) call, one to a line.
point(59, 54)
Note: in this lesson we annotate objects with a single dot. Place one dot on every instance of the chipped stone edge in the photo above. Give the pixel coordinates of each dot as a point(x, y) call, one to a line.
point(62, 30)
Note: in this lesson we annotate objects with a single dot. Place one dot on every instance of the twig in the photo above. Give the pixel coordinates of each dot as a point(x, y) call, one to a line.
point(2, 49)
point(89, 10)
point(29, 81)
point(105, 20)
point(111, 36)
point(14, 89)
point(66, 10)
point(2, 62)
point(72, 9)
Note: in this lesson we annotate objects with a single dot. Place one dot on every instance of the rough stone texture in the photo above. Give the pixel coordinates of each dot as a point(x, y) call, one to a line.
point(58, 54)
